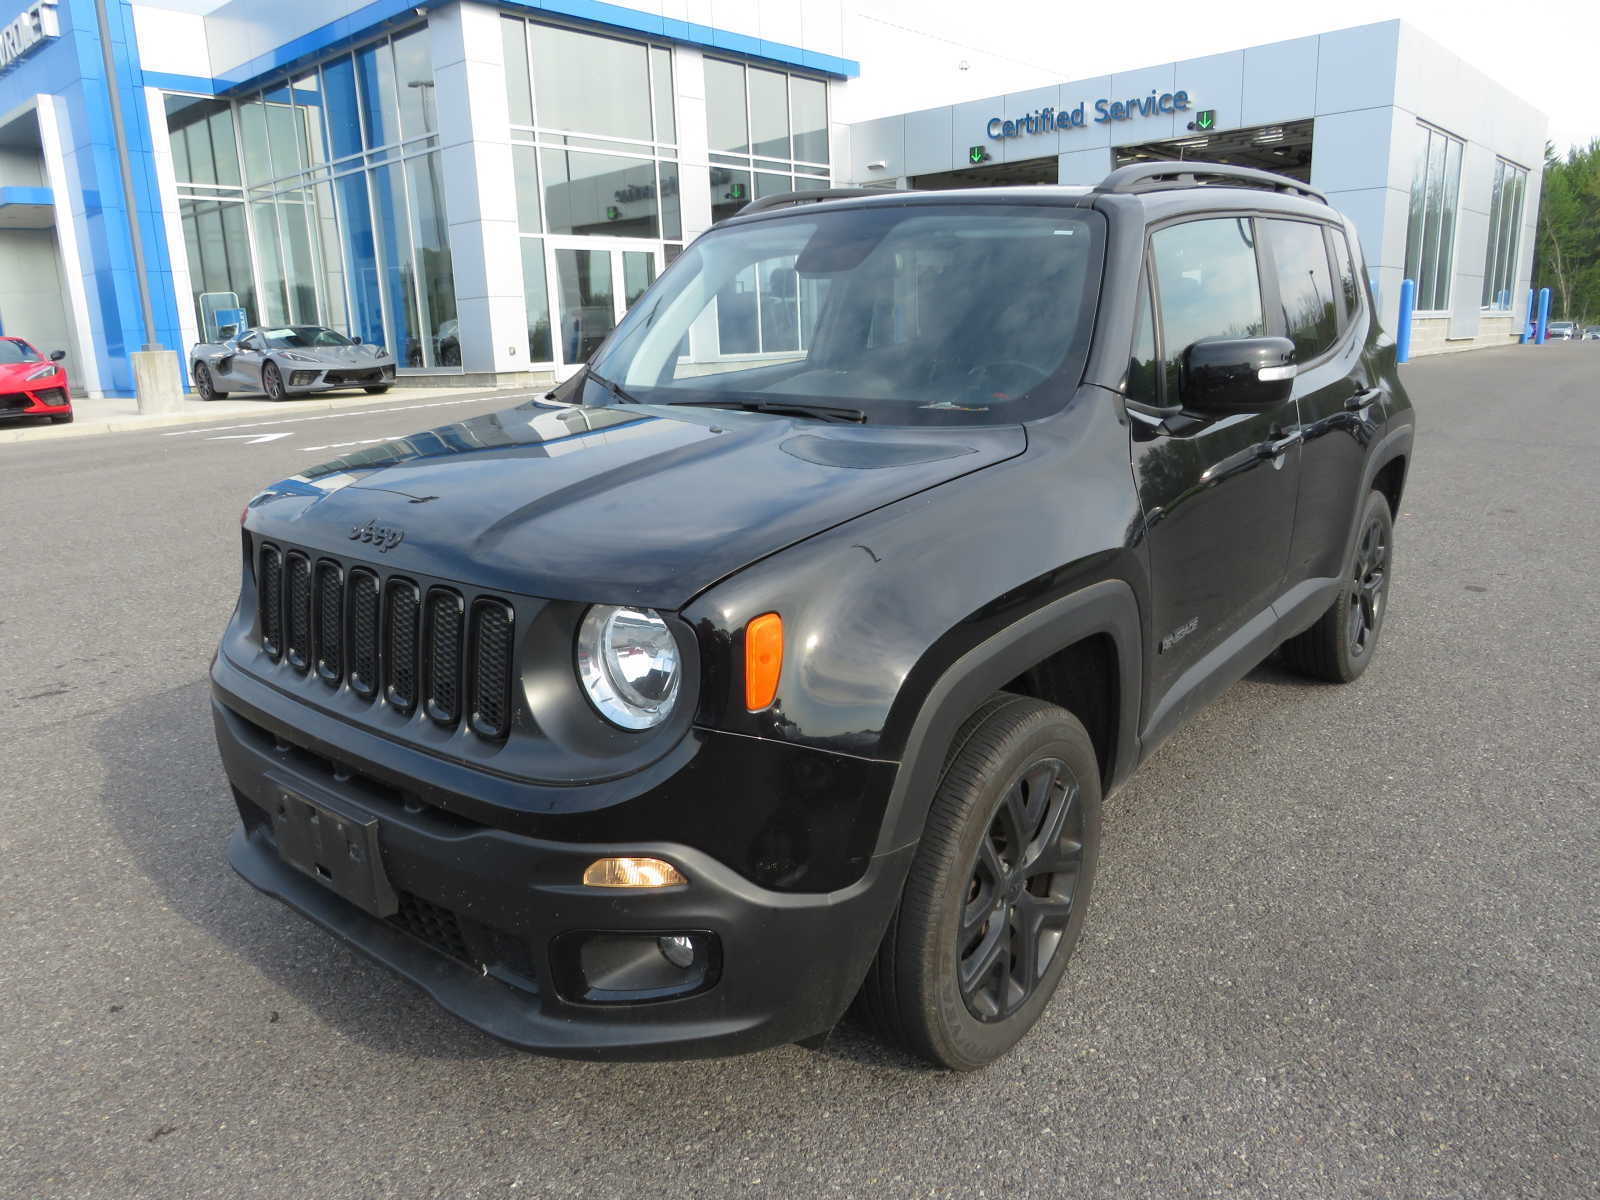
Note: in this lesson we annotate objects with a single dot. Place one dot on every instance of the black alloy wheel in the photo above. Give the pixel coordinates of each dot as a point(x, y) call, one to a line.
point(1020, 895)
point(205, 385)
point(995, 899)
point(1345, 638)
point(272, 382)
point(1367, 581)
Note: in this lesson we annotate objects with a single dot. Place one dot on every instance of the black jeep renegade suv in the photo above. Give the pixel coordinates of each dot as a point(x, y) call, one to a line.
point(781, 658)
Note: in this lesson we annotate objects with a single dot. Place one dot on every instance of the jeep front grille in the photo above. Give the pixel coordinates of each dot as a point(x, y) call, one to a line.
point(388, 640)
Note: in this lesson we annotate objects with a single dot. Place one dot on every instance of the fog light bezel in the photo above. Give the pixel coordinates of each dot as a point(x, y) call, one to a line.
point(574, 987)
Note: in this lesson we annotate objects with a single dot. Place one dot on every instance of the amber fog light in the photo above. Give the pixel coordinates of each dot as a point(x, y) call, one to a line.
point(632, 873)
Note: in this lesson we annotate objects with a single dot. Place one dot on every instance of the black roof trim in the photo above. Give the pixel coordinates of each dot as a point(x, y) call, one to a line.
point(786, 199)
point(1166, 176)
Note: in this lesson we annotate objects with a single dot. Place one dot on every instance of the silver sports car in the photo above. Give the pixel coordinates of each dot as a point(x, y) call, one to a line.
point(288, 360)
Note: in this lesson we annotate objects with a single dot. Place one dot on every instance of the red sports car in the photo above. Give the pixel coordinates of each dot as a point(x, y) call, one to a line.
point(32, 385)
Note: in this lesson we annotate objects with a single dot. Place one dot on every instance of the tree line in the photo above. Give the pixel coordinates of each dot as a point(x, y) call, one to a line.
point(1566, 255)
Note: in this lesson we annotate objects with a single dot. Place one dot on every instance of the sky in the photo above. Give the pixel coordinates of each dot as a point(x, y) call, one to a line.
point(1547, 54)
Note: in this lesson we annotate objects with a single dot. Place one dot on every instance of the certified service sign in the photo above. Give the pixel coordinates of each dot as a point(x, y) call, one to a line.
point(34, 26)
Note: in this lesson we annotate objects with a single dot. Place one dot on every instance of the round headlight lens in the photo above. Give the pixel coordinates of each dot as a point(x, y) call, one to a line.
point(629, 663)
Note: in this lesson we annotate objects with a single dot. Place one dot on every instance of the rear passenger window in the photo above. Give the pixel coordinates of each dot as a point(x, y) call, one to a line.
point(1206, 273)
point(1344, 264)
point(1305, 286)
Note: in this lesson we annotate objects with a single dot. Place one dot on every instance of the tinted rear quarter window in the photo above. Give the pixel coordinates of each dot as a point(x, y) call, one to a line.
point(1344, 265)
point(1305, 285)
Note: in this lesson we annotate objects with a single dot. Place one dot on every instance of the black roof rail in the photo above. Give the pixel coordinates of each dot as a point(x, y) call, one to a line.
point(1163, 176)
point(785, 199)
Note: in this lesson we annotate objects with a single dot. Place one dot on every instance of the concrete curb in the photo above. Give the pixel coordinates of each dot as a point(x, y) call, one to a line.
point(287, 409)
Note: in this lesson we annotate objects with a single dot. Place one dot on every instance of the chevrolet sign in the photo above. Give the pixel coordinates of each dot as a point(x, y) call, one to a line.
point(33, 26)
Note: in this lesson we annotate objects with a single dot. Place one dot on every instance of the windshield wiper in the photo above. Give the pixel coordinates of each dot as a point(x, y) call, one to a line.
point(616, 389)
point(823, 412)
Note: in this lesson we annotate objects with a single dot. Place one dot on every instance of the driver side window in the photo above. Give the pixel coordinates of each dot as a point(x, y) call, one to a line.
point(250, 342)
point(1209, 286)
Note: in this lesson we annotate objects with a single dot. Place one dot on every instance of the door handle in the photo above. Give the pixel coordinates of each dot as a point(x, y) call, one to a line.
point(1363, 398)
point(1277, 446)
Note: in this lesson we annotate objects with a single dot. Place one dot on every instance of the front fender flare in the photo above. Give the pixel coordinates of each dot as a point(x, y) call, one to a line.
point(1108, 607)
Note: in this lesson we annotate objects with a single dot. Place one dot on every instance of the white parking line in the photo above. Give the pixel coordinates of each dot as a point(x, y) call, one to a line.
point(351, 412)
point(346, 445)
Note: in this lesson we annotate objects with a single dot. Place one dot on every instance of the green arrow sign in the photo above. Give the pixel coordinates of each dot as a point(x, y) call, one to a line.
point(1205, 118)
point(977, 154)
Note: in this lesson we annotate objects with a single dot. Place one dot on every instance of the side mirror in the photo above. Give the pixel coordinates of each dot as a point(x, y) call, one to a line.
point(57, 355)
point(355, 340)
point(1223, 375)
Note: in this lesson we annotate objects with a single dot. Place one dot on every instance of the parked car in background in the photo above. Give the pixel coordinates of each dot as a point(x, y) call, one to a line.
point(1591, 333)
point(32, 385)
point(1561, 331)
point(289, 360)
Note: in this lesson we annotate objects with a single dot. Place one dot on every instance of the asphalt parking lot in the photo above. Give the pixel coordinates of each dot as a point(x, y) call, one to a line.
point(1345, 941)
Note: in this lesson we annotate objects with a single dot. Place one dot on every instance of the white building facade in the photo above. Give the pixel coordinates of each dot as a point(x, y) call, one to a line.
point(1437, 164)
point(485, 187)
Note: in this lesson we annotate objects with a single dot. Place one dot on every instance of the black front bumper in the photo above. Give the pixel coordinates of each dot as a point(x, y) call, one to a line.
point(487, 917)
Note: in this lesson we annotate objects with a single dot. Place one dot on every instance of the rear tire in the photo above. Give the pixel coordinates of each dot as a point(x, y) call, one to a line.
point(376, 391)
point(1344, 640)
point(272, 382)
point(996, 896)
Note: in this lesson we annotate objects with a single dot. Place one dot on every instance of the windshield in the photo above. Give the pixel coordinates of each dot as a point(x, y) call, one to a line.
point(17, 352)
point(912, 314)
point(303, 337)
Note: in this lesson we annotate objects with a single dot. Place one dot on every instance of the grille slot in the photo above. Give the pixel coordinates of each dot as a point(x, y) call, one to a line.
point(269, 600)
point(392, 640)
point(402, 610)
point(364, 633)
point(444, 656)
point(492, 625)
point(297, 605)
point(433, 924)
point(330, 622)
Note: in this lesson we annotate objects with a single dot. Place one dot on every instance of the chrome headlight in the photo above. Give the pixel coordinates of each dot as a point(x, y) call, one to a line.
point(629, 663)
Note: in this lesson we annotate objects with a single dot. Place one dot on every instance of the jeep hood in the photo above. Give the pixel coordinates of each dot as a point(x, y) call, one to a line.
point(633, 504)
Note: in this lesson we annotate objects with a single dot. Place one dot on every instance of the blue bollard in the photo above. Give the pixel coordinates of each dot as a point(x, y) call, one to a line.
point(1402, 337)
point(1527, 322)
point(1543, 329)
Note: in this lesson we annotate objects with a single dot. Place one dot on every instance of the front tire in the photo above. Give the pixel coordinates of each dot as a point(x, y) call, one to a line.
point(205, 385)
point(1339, 647)
point(62, 419)
point(272, 382)
point(376, 391)
point(996, 897)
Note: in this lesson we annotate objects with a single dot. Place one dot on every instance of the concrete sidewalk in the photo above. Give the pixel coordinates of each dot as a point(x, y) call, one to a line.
point(121, 414)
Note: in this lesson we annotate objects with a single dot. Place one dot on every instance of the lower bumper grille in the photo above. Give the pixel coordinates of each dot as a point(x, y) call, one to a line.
point(430, 923)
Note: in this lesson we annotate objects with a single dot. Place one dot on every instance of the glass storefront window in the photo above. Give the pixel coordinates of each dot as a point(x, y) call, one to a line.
point(536, 299)
point(808, 104)
point(1430, 231)
point(661, 85)
point(399, 283)
point(769, 113)
point(253, 132)
point(671, 206)
point(1505, 235)
point(269, 261)
point(725, 107)
point(730, 191)
point(431, 238)
point(525, 170)
point(519, 87)
point(600, 194)
point(361, 255)
point(588, 305)
point(339, 102)
point(285, 142)
point(413, 66)
point(566, 67)
point(375, 76)
point(218, 250)
point(203, 146)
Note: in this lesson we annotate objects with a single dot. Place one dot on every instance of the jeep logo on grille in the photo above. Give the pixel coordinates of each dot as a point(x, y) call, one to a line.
point(384, 537)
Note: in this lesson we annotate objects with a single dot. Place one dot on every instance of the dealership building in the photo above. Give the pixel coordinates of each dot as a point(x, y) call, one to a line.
point(484, 188)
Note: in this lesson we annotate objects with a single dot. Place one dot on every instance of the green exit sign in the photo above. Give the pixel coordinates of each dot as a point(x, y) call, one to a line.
point(977, 154)
point(1206, 118)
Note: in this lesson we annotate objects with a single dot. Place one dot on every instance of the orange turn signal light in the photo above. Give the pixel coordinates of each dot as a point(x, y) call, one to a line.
point(632, 873)
point(763, 660)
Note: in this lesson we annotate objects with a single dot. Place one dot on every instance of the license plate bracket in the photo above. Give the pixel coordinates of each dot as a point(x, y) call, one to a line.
point(336, 847)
